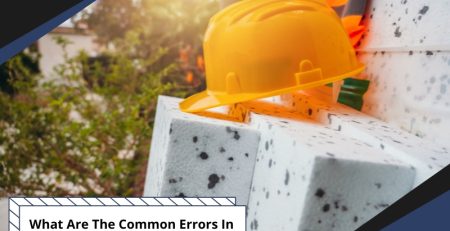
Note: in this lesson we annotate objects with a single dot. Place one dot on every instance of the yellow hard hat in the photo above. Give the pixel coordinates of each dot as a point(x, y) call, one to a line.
point(261, 48)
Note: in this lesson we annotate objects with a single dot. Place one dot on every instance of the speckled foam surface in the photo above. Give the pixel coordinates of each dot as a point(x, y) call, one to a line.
point(326, 166)
point(197, 156)
point(407, 53)
point(319, 177)
point(416, 98)
point(407, 25)
point(425, 156)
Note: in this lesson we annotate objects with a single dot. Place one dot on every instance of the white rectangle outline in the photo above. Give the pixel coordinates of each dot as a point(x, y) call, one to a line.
point(173, 203)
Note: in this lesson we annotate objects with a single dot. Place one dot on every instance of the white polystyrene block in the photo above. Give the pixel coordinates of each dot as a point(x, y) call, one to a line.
point(311, 177)
point(199, 156)
point(407, 25)
point(410, 90)
point(425, 156)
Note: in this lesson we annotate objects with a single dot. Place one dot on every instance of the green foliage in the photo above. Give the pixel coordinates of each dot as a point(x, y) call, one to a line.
point(21, 67)
point(160, 23)
point(69, 139)
point(154, 23)
point(89, 133)
point(149, 26)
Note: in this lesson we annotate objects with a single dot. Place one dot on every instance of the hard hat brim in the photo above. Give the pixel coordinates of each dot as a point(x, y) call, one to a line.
point(208, 99)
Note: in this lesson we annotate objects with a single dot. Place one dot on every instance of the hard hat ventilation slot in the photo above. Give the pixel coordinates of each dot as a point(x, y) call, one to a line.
point(284, 9)
point(300, 44)
point(243, 13)
point(307, 73)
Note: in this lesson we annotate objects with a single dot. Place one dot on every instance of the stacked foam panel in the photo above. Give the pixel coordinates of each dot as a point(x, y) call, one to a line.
point(407, 52)
point(326, 166)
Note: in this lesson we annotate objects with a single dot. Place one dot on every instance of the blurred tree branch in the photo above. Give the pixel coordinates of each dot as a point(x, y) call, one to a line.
point(89, 134)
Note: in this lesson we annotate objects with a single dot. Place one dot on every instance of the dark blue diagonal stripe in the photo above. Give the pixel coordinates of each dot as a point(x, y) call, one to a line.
point(24, 41)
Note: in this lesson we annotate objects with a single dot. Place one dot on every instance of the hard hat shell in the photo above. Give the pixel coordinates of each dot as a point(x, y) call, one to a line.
point(261, 48)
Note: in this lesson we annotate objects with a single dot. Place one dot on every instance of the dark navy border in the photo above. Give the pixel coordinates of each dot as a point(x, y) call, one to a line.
point(432, 216)
point(425, 193)
point(21, 43)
